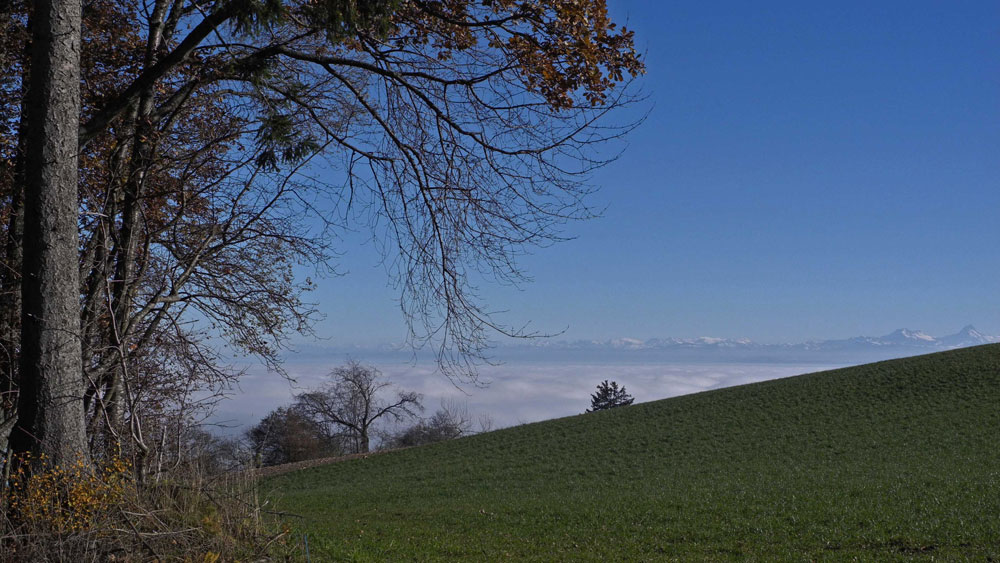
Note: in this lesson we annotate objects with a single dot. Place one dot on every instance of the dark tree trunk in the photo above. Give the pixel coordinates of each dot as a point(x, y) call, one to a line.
point(50, 409)
point(10, 302)
point(10, 287)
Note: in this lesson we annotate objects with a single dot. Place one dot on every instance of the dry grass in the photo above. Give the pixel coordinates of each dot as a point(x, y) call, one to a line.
point(81, 515)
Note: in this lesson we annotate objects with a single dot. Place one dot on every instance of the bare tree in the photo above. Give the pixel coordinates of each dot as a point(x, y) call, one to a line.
point(486, 423)
point(450, 421)
point(353, 400)
point(461, 133)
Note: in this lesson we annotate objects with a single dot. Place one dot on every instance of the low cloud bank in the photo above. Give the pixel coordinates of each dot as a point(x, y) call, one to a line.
point(516, 393)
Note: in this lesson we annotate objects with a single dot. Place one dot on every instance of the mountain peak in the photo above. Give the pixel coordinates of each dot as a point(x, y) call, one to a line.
point(968, 336)
point(900, 339)
point(907, 335)
point(970, 330)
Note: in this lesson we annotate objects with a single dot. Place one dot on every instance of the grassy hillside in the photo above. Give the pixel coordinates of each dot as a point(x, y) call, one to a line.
point(893, 460)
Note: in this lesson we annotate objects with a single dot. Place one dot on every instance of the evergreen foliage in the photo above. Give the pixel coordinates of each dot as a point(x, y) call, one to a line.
point(609, 396)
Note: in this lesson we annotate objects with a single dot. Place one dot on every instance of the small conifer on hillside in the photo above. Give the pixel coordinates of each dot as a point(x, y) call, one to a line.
point(609, 396)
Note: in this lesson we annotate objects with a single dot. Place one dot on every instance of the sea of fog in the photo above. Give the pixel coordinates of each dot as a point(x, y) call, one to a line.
point(517, 391)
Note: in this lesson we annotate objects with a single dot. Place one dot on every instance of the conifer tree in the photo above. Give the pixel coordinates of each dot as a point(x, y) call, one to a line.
point(609, 396)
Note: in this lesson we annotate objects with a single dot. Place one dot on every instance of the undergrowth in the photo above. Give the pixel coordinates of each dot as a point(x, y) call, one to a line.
point(82, 513)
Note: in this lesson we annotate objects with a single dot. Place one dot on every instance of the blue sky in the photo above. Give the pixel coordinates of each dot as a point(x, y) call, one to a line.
point(807, 172)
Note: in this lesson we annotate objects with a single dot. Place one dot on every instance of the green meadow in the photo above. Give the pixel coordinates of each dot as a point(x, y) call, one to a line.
point(895, 460)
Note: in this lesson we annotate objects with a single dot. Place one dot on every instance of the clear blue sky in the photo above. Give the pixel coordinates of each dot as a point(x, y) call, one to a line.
point(808, 171)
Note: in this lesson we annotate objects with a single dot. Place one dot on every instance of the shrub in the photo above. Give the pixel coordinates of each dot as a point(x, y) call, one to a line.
point(82, 513)
point(68, 499)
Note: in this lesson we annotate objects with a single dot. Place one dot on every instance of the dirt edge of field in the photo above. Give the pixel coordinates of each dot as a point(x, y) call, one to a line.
point(275, 470)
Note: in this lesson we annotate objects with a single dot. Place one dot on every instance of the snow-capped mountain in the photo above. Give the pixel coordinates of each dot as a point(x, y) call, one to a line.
point(905, 338)
point(650, 344)
point(706, 349)
point(968, 336)
point(901, 339)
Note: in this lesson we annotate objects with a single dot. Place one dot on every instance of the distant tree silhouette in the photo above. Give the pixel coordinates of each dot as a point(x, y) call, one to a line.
point(352, 401)
point(609, 396)
point(451, 421)
point(288, 435)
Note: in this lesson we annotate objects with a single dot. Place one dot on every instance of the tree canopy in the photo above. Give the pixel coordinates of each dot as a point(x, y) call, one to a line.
point(461, 133)
point(288, 435)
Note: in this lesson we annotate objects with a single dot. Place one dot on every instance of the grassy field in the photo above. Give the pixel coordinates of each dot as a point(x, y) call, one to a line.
point(887, 461)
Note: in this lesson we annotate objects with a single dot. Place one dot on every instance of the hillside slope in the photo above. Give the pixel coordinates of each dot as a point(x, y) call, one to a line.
point(892, 460)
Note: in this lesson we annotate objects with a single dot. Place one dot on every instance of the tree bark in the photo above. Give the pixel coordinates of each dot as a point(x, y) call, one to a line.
point(363, 442)
point(50, 409)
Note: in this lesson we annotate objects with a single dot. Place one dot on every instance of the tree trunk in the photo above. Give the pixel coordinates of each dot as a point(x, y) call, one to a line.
point(10, 317)
point(127, 250)
point(363, 445)
point(10, 287)
point(50, 409)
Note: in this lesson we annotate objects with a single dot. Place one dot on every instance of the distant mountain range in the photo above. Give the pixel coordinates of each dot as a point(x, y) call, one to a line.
point(848, 351)
point(903, 339)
